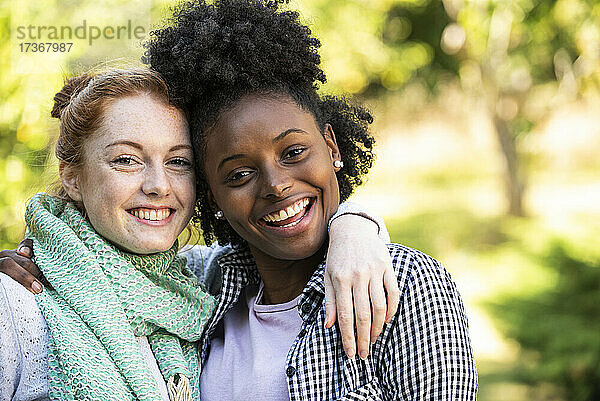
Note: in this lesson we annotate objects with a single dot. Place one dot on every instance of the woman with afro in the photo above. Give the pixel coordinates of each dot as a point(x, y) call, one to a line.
point(275, 159)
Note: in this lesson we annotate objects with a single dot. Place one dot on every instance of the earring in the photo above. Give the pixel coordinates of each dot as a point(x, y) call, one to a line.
point(219, 214)
point(338, 164)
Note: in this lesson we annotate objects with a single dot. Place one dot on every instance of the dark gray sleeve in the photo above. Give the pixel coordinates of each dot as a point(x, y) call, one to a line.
point(203, 261)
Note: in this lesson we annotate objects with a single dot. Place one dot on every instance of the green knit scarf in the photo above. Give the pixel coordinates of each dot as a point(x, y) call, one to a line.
point(103, 298)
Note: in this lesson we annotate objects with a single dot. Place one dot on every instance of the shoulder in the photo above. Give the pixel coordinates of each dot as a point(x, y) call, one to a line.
point(413, 266)
point(16, 298)
point(23, 345)
point(19, 309)
point(429, 333)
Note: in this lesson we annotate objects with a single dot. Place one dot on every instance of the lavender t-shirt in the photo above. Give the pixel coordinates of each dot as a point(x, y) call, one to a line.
point(247, 358)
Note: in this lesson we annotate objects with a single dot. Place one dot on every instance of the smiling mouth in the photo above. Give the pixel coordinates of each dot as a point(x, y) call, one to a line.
point(151, 214)
point(289, 216)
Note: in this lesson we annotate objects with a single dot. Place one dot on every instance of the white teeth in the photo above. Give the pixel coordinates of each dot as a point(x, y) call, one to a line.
point(292, 224)
point(151, 214)
point(288, 212)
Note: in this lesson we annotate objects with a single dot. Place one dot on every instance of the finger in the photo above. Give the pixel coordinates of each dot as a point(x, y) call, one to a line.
point(345, 316)
point(393, 293)
point(25, 248)
point(378, 308)
point(330, 308)
point(19, 274)
point(29, 266)
point(23, 261)
point(362, 311)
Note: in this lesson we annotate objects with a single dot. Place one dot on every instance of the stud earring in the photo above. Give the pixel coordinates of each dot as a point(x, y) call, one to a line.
point(219, 214)
point(338, 164)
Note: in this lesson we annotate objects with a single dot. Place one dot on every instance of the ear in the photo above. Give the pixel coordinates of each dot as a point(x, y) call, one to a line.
point(334, 151)
point(69, 177)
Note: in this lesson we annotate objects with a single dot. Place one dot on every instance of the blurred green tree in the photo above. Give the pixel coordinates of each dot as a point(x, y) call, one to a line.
point(523, 58)
point(558, 329)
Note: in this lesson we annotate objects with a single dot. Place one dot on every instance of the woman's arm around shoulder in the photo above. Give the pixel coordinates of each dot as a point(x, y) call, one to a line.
point(23, 344)
point(425, 351)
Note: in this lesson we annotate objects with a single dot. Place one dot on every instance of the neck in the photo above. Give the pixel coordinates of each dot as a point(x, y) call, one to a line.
point(284, 280)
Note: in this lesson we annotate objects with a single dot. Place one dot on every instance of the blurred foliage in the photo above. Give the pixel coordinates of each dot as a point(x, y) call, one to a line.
point(546, 298)
point(559, 328)
point(524, 59)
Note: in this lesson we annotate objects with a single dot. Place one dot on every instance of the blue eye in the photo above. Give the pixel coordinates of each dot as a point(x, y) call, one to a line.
point(180, 162)
point(124, 160)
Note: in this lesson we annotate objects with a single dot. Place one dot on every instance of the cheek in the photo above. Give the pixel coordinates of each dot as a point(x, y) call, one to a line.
point(323, 176)
point(235, 202)
point(185, 187)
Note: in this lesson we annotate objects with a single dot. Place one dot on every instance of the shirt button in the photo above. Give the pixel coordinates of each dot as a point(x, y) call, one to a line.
point(306, 307)
point(290, 371)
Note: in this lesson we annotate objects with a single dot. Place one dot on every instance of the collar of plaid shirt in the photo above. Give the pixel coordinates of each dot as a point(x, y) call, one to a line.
point(424, 353)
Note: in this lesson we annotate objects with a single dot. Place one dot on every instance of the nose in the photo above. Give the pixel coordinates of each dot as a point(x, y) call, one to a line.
point(156, 182)
point(275, 183)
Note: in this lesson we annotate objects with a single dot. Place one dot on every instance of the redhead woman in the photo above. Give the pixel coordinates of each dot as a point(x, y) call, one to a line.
point(126, 316)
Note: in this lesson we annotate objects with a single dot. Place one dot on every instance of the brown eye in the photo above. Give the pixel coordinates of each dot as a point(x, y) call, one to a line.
point(294, 153)
point(238, 176)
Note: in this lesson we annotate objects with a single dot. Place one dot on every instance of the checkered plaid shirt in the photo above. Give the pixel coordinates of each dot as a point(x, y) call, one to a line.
point(422, 354)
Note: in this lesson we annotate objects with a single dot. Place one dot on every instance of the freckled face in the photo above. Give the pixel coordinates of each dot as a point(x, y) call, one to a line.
point(270, 170)
point(137, 179)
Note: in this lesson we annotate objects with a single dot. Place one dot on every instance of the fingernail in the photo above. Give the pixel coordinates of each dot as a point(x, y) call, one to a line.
point(351, 353)
point(23, 250)
point(37, 287)
point(364, 355)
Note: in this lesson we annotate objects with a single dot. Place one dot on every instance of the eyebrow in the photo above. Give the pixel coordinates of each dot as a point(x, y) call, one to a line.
point(276, 139)
point(138, 146)
point(288, 131)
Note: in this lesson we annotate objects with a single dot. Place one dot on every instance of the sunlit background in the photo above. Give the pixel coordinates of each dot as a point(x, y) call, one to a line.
point(488, 126)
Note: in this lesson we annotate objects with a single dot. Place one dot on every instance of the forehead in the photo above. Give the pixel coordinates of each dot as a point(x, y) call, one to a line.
point(142, 118)
point(256, 118)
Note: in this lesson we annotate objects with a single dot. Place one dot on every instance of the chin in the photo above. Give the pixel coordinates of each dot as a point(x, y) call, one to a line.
point(146, 248)
point(298, 252)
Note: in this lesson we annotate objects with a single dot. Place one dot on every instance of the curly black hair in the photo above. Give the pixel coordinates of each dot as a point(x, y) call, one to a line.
point(212, 54)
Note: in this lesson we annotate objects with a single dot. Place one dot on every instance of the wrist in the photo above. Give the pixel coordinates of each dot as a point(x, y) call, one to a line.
point(351, 224)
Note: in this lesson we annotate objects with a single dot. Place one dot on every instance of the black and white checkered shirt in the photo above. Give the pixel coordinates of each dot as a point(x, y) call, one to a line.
point(422, 354)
